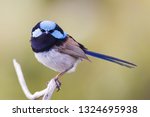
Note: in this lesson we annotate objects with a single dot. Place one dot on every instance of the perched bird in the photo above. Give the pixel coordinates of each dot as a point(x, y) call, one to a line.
point(60, 52)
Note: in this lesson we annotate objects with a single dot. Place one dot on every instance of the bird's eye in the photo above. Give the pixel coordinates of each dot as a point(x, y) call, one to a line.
point(51, 31)
point(42, 30)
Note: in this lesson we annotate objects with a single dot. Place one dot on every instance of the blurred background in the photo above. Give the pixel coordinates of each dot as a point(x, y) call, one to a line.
point(119, 28)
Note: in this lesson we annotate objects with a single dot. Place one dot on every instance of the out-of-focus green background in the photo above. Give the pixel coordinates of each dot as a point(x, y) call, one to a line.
point(119, 28)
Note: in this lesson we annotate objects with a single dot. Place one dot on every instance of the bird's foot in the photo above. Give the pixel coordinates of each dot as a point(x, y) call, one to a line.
point(58, 84)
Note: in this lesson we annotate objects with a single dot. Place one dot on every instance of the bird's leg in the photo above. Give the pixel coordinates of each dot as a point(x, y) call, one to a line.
point(58, 83)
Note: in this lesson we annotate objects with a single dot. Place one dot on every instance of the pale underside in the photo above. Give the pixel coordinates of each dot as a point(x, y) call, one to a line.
point(57, 61)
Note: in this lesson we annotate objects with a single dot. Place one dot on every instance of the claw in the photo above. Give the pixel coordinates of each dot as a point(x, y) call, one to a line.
point(58, 84)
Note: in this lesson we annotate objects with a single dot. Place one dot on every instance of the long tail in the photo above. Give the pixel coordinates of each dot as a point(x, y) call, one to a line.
point(111, 59)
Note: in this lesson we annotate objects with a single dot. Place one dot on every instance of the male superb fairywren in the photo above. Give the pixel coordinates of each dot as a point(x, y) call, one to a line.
point(60, 52)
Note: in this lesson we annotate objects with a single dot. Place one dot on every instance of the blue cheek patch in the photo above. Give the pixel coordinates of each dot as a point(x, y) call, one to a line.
point(57, 34)
point(36, 33)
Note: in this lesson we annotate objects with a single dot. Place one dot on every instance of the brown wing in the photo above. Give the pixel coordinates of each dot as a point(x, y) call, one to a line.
point(71, 47)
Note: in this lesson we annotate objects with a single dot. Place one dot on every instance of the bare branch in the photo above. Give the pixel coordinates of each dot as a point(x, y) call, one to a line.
point(46, 93)
point(50, 89)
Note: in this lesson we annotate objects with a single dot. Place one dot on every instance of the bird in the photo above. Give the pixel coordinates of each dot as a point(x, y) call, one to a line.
point(60, 52)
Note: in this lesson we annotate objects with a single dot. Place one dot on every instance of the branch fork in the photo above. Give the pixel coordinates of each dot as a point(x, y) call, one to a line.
point(45, 93)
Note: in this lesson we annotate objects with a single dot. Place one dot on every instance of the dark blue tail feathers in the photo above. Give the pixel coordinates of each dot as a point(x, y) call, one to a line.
point(111, 59)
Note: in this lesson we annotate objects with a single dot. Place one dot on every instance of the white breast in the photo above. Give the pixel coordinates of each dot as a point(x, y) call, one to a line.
point(57, 61)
